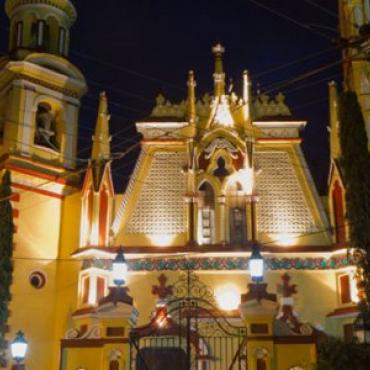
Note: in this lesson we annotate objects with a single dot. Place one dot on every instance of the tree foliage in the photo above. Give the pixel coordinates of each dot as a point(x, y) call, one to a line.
point(355, 165)
point(6, 252)
point(334, 354)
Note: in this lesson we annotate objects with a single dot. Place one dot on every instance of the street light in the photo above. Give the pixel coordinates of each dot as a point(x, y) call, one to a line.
point(18, 348)
point(119, 269)
point(361, 327)
point(256, 264)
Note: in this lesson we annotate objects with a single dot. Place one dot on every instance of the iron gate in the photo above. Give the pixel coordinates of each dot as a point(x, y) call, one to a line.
point(188, 332)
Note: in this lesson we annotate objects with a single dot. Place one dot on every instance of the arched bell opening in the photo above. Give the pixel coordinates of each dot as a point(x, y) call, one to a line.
point(46, 126)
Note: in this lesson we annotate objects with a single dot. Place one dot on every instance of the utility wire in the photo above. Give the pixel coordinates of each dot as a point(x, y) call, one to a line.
point(299, 60)
point(324, 10)
point(291, 20)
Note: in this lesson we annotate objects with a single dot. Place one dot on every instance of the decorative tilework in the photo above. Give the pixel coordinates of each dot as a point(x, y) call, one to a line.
point(282, 206)
point(226, 263)
point(134, 178)
point(160, 207)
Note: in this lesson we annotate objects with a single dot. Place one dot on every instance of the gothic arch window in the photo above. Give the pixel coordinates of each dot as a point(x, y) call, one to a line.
point(206, 214)
point(46, 126)
point(237, 214)
point(338, 213)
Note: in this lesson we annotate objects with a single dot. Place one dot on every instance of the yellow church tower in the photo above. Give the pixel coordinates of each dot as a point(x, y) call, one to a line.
point(40, 93)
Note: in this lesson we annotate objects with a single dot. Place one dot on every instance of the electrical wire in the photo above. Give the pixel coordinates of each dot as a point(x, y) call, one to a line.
point(290, 19)
point(323, 10)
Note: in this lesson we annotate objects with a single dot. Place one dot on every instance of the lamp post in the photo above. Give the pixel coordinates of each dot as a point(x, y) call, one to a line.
point(18, 349)
point(256, 264)
point(119, 269)
point(361, 327)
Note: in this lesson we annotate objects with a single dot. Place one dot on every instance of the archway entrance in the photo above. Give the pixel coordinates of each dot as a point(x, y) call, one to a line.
point(188, 332)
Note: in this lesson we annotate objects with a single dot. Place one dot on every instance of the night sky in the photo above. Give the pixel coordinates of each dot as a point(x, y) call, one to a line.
point(136, 49)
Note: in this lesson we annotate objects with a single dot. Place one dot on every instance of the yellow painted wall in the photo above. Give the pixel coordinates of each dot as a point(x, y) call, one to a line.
point(37, 243)
point(68, 269)
point(289, 355)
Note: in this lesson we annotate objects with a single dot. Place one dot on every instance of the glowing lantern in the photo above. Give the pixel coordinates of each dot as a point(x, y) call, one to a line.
point(256, 264)
point(119, 269)
point(19, 347)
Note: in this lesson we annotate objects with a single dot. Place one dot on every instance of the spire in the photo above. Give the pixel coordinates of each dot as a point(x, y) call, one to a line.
point(247, 93)
point(101, 138)
point(191, 97)
point(219, 75)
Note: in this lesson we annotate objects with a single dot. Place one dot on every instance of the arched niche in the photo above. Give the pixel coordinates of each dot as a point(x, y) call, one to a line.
point(49, 124)
point(220, 165)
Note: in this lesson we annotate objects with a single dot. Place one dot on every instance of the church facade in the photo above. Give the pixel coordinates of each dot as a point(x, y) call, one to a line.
point(216, 175)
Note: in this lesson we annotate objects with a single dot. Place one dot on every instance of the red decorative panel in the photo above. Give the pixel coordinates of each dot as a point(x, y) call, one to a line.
point(203, 162)
point(86, 289)
point(100, 288)
point(90, 209)
point(103, 216)
point(337, 198)
point(345, 289)
point(238, 161)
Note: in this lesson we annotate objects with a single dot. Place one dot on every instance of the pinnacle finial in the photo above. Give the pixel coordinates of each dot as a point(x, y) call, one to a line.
point(101, 138)
point(218, 49)
point(191, 96)
point(219, 75)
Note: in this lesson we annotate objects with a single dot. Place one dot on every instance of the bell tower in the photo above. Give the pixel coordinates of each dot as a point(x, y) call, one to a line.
point(41, 26)
point(40, 89)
